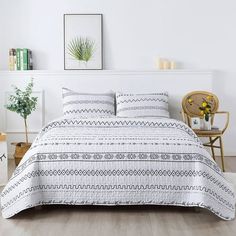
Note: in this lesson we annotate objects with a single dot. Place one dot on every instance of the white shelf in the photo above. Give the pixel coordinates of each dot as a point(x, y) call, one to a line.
point(101, 72)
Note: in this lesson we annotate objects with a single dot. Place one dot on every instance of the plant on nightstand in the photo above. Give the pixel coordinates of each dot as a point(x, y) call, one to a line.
point(205, 108)
point(23, 103)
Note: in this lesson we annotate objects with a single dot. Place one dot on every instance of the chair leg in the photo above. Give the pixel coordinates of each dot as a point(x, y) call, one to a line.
point(212, 149)
point(222, 154)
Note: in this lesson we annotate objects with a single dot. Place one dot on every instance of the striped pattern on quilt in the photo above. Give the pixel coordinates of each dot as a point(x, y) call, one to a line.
point(118, 161)
point(142, 105)
point(77, 104)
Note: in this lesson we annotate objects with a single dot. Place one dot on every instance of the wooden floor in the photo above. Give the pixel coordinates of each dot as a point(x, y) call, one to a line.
point(113, 221)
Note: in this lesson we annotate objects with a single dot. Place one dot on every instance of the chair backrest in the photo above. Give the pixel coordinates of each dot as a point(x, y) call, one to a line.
point(193, 100)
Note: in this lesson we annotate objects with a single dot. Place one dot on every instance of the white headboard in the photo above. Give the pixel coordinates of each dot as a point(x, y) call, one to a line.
point(48, 86)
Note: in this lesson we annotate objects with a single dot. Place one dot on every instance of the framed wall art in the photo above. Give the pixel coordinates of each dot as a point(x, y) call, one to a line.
point(83, 42)
point(195, 123)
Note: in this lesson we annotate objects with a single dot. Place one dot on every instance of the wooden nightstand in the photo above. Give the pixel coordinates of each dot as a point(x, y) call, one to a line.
point(3, 160)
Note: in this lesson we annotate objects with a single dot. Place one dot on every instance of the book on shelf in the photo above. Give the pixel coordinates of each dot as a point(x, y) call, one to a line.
point(11, 59)
point(14, 59)
point(20, 59)
point(25, 59)
point(30, 60)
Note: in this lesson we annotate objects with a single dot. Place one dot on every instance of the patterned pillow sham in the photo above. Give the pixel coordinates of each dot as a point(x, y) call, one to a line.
point(88, 104)
point(142, 105)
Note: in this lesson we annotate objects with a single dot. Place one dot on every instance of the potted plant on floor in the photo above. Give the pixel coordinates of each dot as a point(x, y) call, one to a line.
point(23, 103)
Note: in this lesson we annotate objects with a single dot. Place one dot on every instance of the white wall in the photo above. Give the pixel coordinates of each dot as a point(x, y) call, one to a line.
point(199, 34)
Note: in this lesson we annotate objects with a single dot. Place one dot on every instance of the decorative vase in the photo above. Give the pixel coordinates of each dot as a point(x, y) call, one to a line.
point(206, 123)
point(20, 150)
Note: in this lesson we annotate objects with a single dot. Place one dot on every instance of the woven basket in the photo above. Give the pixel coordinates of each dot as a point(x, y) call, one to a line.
point(20, 150)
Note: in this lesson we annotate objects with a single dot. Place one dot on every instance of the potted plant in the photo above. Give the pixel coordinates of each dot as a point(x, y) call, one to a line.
point(23, 103)
point(204, 110)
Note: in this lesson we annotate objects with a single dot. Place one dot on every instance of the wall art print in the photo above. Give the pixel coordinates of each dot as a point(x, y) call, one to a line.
point(83, 46)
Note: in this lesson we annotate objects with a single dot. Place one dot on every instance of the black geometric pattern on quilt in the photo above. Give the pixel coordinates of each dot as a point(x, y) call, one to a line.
point(89, 111)
point(60, 187)
point(98, 156)
point(88, 102)
point(121, 123)
point(142, 100)
point(139, 172)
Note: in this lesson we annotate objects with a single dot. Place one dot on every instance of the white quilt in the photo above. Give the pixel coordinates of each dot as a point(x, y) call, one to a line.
point(118, 161)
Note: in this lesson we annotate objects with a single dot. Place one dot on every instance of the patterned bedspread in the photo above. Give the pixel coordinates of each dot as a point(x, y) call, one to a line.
point(118, 161)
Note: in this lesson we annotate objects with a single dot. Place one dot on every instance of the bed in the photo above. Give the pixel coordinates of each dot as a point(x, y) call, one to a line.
point(118, 161)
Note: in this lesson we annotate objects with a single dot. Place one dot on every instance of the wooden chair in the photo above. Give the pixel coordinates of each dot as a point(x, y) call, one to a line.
point(193, 111)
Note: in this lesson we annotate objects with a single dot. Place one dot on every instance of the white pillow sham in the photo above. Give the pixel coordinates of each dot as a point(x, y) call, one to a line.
point(88, 104)
point(142, 105)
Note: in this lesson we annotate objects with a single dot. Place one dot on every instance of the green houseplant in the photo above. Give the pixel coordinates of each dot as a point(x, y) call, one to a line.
point(23, 103)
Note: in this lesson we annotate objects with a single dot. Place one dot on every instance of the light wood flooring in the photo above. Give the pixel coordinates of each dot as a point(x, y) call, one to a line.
point(113, 221)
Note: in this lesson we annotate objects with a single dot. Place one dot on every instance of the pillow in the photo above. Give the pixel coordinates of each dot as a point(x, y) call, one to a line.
point(142, 105)
point(87, 104)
